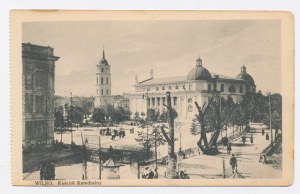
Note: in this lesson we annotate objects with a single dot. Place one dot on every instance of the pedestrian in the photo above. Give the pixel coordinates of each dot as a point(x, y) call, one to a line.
point(267, 136)
point(155, 173)
point(262, 132)
point(112, 135)
point(146, 173)
point(228, 148)
point(52, 170)
point(151, 174)
point(199, 151)
point(42, 170)
point(177, 175)
point(264, 158)
point(251, 139)
point(233, 163)
point(244, 139)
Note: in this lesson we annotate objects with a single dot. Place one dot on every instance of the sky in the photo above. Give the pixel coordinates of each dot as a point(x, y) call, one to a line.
point(170, 48)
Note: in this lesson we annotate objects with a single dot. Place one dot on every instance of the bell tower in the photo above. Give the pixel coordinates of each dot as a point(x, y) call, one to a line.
point(103, 83)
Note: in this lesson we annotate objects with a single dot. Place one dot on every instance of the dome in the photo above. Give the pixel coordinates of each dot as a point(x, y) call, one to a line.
point(245, 76)
point(199, 72)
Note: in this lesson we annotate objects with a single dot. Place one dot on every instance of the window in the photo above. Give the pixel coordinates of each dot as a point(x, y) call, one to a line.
point(39, 104)
point(153, 101)
point(222, 87)
point(106, 91)
point(102, 70)
point(97, 80)
point(101, 80)
point(231, 88)
point(190, 100)
point(208, 87)
point(176, 87)
point(101, 91)
point(183, 87)
point(107, 80)
point(164, 100)
point(28, 102)
point(97, 91)
point(190, 108)
point(163, 88)
point(170, 87)
point(175, 101)
point(148, 102)
point(241, 89)
point(157, 88)
point(215, 86)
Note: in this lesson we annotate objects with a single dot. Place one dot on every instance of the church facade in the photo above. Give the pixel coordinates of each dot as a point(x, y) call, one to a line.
point(198, 85)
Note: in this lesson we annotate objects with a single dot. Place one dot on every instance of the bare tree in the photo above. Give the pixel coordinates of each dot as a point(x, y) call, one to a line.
point(217, 118)
point(172, 160)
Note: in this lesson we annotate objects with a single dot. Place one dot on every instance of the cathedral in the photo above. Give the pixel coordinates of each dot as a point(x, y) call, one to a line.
point(103, 83)
point(198, 85)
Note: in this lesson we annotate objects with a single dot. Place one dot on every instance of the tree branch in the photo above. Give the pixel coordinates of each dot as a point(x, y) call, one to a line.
point(165, 135)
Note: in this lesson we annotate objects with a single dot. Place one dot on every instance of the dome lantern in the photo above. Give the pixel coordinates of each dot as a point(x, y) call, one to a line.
point(199, 62)
point(199, 72)
point(245, 76)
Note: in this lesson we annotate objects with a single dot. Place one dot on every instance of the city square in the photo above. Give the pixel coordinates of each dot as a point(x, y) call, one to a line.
point(107, 119)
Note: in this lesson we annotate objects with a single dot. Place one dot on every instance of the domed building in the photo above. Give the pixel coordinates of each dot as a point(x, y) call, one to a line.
point(198, 85)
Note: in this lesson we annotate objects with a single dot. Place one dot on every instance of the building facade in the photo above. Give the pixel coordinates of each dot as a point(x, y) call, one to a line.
point(199, 85)
point(38, 94)
point(103, 83)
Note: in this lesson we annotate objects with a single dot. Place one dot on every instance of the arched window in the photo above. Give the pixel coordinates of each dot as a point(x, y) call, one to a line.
point(190, 100)
point(231, 88)
point(176, 87)
point(170, 87)
point(222, 88)
point(241, 89)
point(157, 88)
point(190, 108)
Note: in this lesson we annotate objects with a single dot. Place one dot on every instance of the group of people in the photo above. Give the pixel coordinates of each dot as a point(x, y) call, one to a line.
point(244, 139)
point(47, 170)
point(182, 175)
point(113, 133)
point(150, 174)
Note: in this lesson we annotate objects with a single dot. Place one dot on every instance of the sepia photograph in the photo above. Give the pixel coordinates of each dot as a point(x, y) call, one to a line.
point(117, 98)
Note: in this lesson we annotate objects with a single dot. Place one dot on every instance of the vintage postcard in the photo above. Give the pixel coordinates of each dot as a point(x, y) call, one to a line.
point(152, 98)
